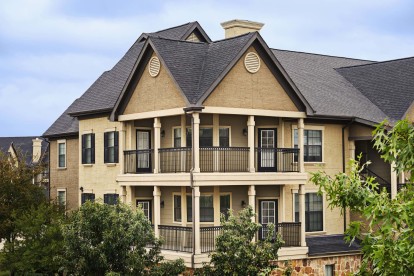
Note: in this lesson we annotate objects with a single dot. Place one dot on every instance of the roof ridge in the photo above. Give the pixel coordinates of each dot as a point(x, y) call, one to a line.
point(170, 28)
point(178, 40)
point(233, 37)
point(376, 63)
point(324, 55)
point(1, 137)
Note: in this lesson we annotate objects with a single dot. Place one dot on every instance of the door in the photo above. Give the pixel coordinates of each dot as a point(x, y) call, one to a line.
point(267, 150)
point(267, 214)
point(146, 208)
point(144, 151)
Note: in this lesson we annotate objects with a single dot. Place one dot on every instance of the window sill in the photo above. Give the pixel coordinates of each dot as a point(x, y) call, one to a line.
point(314, 163)
point(87, 165)
point(61, 168)
point(316, 233)
point(110, 164)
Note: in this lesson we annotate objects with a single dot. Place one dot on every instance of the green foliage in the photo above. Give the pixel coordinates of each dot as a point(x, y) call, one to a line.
point(101, 238)
point(236, 253)
point(17, 193)
point(38, 242)
point(387, 237)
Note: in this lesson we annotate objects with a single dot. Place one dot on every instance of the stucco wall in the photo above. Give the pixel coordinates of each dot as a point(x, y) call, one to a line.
point(242, 89)
point(66, 178)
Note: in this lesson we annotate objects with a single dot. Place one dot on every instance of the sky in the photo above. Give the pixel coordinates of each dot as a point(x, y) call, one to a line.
point(51, 51)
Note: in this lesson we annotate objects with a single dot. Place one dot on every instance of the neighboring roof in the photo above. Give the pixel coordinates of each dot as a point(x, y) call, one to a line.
point(65, 125)
point(389, 84)
point(328, 93)
point(180, 32)
point(22, 145)
point(330, 245)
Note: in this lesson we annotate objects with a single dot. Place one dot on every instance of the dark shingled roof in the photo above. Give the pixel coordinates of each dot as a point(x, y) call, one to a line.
point(177, 32)
point(328, 93)
point(23, 146)
point(64, 125)
point(195, 66)
point(330, 245)
point(389, 84)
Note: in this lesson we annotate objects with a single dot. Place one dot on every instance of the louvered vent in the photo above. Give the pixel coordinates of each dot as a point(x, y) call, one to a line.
point(154, 67)
point(252, 62)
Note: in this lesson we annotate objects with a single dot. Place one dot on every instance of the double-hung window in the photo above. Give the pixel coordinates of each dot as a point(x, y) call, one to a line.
point(111, 199)
point(206, 208)
point(61, 197)
point(225, 205)
point(313, 212)
point(177, 137)
point(312, 145)
point(206, 137)
point(111, 147)
point(87, 196)
point(224, 137)
point(88, 148)
point(62, 154)
point(177, 208)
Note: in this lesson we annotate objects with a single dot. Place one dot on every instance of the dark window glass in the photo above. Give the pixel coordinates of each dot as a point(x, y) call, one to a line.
point(312, 145)
point(206, 137)
point(225, 205)
point(177, 208)
point(62, 155)
point(87, 196)
point(111, 147)
point(189, 209)
point(111, 199)
point(177, 137)
point(313, 212)
point(206, 208)
point(88, 148)
point(224, 137)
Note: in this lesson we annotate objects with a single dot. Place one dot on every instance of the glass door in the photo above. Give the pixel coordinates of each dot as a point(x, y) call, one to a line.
point(267, 150)
point(145, 206)
point(143, 151)
point(267, 214)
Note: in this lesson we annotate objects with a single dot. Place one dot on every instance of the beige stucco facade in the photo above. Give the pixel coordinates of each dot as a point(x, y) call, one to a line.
point(65, 179)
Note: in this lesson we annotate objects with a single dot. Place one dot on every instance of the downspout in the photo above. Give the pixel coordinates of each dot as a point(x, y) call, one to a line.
point(48, 167)
point(344, 163)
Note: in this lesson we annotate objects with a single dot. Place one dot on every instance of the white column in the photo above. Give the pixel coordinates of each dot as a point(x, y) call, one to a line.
point(196, 211)
point(302, 214)
point(129, 196)
point(183, 131)
point(216, 205)
point(351, 146)
point(250, 142)
point(157, 209)
point(252, 198)
point(301, 159)
point(394, 180)
point(157, 142)
point(123, 193)
point(196, 141)
point(121, 144)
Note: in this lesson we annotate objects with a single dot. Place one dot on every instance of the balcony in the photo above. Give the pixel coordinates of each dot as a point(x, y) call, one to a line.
point(179, 238)
point(212, 160)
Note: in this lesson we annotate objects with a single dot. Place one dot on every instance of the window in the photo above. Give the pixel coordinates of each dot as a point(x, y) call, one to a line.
point(312, 145)
point(206, 208)
point(62, 154)
point(177, 208)
point(224, 137)
point(61, 197)
point(177, 137)
point(87, 196)
point(145, 206)
point(206, 137)
point(329, 270)
point(313, 212)
point(88, 148)
point(111, 147)
point(225, 205)
point(111, 199)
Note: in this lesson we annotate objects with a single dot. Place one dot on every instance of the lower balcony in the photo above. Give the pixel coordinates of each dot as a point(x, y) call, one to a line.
point(179, 238)
point(212, 159)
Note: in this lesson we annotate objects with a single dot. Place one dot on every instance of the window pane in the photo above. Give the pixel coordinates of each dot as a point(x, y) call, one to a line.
point(313, 212)
point(225, 205)
point(111, 199)
point(177, 208)
point(206, 208)
point(62, 198)
point(177, 137)
point(206, 137)
point(189, 137)
point(224, 137)
point(312, 145)
point(189, 209)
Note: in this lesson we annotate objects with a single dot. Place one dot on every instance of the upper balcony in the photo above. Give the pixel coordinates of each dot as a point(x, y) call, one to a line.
point(212, 160)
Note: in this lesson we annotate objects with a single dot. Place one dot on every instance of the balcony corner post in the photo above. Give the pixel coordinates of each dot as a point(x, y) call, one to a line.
point(196, 141)
point(157, 210)
point(394, 181)
point(302, 193)
point(196, 210)
point(250, 142)
point(157, 142)
point(301, 160)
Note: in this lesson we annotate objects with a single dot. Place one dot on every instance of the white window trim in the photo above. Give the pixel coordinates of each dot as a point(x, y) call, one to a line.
point(311, 127)
point(151, 199)
point(173, 206)
point(62, 190)
point(218, 138)
point(256, 135)
point(279, 206)
point(296, 191)
point(63, 141)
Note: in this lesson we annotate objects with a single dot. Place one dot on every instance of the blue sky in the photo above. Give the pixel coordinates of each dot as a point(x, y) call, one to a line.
point(51, 51)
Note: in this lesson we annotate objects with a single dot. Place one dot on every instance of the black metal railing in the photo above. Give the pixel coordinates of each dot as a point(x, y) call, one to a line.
point(176, 238)
point(208, 237)
point(276, 159)
point(288, 231)
point(138, 161)
point(175, 160)
point(224, 159)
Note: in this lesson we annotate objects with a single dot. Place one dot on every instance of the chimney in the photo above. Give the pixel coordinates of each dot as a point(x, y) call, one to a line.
point(237, 27)
point(37, 150)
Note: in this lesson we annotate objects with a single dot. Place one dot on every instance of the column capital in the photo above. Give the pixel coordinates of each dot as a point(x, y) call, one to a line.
point(250, 121)
point(302, 190)
point(157, 122)
point(196, 117)
point(251, 191)
point(301, 123)
point(157, 191)
point(197, 191)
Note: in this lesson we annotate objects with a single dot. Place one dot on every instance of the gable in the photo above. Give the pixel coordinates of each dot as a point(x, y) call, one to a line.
point(242, 89)
point(154, 93)
point(410, 113)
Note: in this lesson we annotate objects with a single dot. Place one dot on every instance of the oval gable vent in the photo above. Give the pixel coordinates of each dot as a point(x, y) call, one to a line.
point(252, 62)
point(154, 67)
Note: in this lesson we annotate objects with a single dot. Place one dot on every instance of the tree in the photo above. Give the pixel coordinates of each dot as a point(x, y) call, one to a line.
point(387, 226)
point(17, 193)
point(236, 252)
point(39, 241)
point(102, 238)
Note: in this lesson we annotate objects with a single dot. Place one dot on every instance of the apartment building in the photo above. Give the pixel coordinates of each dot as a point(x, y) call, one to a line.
point(188, 128)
